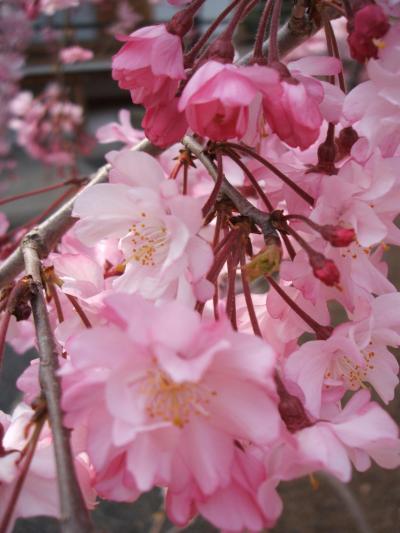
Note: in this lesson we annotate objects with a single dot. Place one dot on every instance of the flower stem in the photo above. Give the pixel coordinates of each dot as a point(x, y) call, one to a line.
point(79, 310)
point(191, 54)
point(273, 52)
point(262, 26)
point(234, 156)
point(303, 194)
point(322, 332)
point(217, 187)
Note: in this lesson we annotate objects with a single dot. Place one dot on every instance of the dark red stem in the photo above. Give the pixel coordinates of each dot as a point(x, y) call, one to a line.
point(79, 310)
point(273, 52)
point(303, 194)
point(190, 56)
point(322, 332)
point(262, 26)
point(217, 187)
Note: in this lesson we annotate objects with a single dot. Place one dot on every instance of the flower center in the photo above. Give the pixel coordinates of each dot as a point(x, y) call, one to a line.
point(174, 402)
point(147, 242)
point(345, 369)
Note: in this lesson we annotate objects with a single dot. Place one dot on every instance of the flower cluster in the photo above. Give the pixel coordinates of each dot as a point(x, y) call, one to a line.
point(182, 296)
point(49, 127)
point(219, 100)
point(14, 36)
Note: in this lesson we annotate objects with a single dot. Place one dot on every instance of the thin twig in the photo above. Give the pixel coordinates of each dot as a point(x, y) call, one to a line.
point(74, 515)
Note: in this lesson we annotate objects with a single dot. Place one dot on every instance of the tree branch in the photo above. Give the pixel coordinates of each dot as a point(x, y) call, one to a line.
point(245, 208)
point(74, 515)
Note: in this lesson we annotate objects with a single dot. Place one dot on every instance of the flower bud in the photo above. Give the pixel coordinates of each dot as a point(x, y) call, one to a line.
point(370, 23)
point(221, 50)
point(291, 409)
point(324, 269)
point(181, 23)
point(338, 235)
point(326, 158)
point(266, 262)
point(347, 137)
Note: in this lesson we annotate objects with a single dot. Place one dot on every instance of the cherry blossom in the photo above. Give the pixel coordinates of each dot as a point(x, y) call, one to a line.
point(150, 64)
point(180, 393)
point(157, 227)
point(39, 494)
point(214, 313)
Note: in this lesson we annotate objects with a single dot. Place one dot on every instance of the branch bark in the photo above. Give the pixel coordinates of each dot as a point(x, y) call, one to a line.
point(245, 208)
point(74, 515)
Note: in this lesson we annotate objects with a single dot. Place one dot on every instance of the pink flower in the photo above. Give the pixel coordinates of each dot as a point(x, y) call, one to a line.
point(216, 99)
point(390, 7)
point(157, 228)
point(121, 131)
point(294, 112)
point(150, 65)
point(39, 494)
point(75, 54)
point(355, 353)
point(248, 503)
point(295, 115)
point(361, 432)
point(384, 71)
point(170, 392)
point(164, 124)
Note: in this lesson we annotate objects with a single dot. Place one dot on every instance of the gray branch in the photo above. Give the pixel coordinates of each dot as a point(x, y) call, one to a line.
point(241, 203)
point(74, 515)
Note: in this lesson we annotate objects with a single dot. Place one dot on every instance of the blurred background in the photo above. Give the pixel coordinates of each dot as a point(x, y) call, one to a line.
point(309, 507)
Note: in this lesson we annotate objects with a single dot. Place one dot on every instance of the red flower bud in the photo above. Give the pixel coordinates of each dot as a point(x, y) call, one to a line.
point(338, 235)
point(324, 269)
point(370, 23)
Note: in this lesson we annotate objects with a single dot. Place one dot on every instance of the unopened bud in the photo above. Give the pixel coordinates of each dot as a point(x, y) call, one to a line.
point(326, 158)
point(324, 269)
point(370, 23)
point(181, 23)
point(22, 311)
point(266, 262)
point(221, 50)
point(338, 235)
point(347, 137)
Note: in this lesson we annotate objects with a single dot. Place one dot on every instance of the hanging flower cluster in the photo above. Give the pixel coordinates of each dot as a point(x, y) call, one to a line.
point(181, 296)
point(49, 127)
